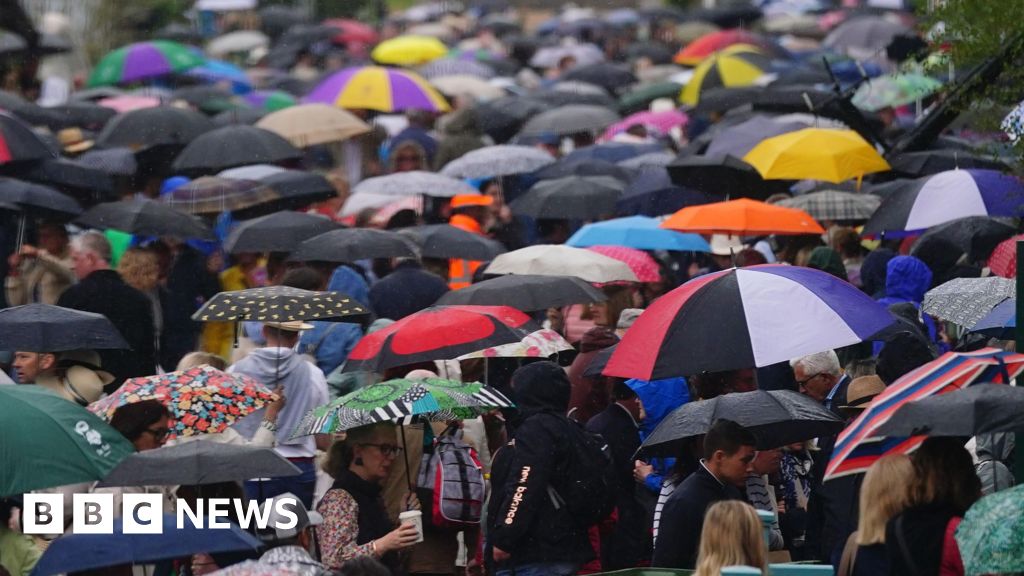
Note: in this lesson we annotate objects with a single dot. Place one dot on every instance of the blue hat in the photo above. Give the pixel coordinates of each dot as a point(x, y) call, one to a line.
point(173, 183)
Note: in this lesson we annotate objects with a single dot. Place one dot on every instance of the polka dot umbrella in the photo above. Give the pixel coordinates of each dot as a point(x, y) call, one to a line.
point(278, 304)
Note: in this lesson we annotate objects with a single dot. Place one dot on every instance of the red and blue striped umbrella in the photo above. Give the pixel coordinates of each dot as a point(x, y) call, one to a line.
point(745, 317)
point(18, 142)
point(858, 446)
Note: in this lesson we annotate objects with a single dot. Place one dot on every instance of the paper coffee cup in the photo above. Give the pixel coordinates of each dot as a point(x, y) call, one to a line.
point(414, 517)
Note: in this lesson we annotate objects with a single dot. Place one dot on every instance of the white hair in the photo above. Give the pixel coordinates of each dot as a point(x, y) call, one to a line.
point(826, 362)
point(95, 242)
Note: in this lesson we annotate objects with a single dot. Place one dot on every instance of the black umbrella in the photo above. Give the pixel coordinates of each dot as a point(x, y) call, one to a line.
point(352, 244)
point(976, 236)
point(161, 125)
point(280, 232)
point(723, 176)
point(232, 146)
point(582, 167)
point(526, 292)
point(657, 52)
point(95, 94)
point(776, 418)
point(278, 304)
point(200, 95)
point(927, 162)
point(18, 143)
point(38, 200)
point(977, 409)
point(84, 115)
point(571, 94)
point(11, 101)
point(293, 190)
point(145, 217)
point(113, 161)
point(198, 462)
point(247, 116)
point(599, 361)
point(573, 119)
point(447, 241)
point(502, 118)
point(724, 99)
point(46, 328)
point(611, 77)
point(574, 197)
point(652, 193)
point(86, 183)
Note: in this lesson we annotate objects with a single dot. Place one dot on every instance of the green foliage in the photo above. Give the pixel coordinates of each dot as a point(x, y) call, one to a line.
point(117, 22)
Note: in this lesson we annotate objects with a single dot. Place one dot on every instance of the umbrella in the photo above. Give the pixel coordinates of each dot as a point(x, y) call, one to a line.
point(818, 154)
point(745, 317)
point(216, 71)
point(525, 292)
point(84, 115)
point(279, 232)
point(611, 152)
point(232, 146)
point(650, 160)
point(743, 217)
point(571, 119)
point(639, 99)
point(863, 36)
point(776, 418)
point(583, 167)
point(549, 57)
point(353, 244)
point(239, 41)
point(932, 200)
point(144, 217)
point(573, 94)
point(835, 205)
point(438, 333)
point(1001, 322)
point(18, 143)
point(611, 77)
point(559, 260)
point(502, 118)
point(493, 161)
point(37, 200)
point(256, 568)
point(859, 445)
point(1003, 260)
point(143, 61)
point(129, 102)
point(71, 177)
point(726, 176)
point(286, 189)
point(467, 85)
point(47, 328)
point(277, 304)
point(409, 50)
point(640, 232)
point(453, 66)
point(724, 99)
point(248, 116)
point(215, 194)
point(976, 236)
point(377, 88)
point(741, 138)
point(413, 183)
point(270, 100)
point(447, 241)
point(202, 400)
point(927, 162)
point(894, 90)
point(641, 263)
point(657, 122)
point(990, 535)
point(978, 409)
point(540, 344)
point(352, 31)
point(311, 124)
point(707, 45)
point(80, 552)
point(731, 68)
point(572, 197)
point(964, 301)
point(197, 463)
point(113, 161)
point(162, 125)
point(47, 441)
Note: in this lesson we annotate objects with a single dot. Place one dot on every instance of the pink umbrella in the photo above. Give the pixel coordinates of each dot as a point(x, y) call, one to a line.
point(128, 103)
point(640, 262)
point(1003, 261)
point(662, 122)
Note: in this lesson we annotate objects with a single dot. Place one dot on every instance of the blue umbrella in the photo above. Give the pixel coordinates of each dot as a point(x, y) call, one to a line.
point(214, 71)
point(77, 552)
point(640, 232)
point(612, 151)
point(1001, 322)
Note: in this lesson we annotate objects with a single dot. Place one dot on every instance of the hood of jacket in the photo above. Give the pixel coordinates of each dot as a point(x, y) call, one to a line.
point(907, 279)
point(268, 364)
point(872, 271)
point(541, 387)
point(659, 398)
point(828, 260)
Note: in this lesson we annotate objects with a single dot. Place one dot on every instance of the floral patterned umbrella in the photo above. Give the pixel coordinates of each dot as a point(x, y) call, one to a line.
point(991, 535)
point(202, 400)
point(539, 344)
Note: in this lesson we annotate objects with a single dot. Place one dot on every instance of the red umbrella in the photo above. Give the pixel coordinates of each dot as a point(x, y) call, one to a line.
point(351, 31)
point(640, 262)
point(439, 333)
point(1003, 261)
point(695, 52)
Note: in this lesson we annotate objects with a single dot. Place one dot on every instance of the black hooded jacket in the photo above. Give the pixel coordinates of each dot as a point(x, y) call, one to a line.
point(522, 517)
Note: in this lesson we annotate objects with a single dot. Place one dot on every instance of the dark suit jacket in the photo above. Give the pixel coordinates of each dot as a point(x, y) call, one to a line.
point(682, 519)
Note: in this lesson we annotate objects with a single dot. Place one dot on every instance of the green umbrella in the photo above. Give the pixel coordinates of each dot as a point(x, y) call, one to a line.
point(639, 99)
point(47, 441)
point(894, 90)
point(991, 535)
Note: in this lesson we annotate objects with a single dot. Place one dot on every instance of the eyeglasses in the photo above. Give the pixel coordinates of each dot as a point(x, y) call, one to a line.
point(802, 383)
point(158, 434)
point(385, 449)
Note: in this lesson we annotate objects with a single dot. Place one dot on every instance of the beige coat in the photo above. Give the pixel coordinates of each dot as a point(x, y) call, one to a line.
point(46, 274)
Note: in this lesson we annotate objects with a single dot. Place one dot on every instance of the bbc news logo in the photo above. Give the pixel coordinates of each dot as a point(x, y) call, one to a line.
point(144, 514)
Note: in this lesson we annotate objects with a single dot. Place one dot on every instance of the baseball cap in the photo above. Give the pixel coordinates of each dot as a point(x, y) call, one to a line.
point(306, 518)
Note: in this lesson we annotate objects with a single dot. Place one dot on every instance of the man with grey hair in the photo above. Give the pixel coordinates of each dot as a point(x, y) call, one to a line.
point(101, 290)
point(820, 376)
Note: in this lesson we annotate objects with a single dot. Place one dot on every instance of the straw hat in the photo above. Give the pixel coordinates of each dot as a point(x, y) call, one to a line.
point(77, 377)
point(73, 140)
point(861, 391)
point(290, 326)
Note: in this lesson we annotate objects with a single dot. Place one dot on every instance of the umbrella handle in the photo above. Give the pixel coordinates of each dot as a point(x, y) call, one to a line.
point(405, 455)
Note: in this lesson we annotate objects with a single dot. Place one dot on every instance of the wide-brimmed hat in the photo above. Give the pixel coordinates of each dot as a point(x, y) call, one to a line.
point(861, 391)
point(290, 326)
point(725, 245)
point(78, 377)
point(73, 140)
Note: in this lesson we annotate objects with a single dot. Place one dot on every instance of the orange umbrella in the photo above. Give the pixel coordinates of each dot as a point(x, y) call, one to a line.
point(743, 217)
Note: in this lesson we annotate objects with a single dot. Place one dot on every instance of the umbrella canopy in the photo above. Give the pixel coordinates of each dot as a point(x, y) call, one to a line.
point(652, 193)
point(731, 68)
point(861, 37)
point(937, 199)
point(438, 333)
point(311, 124)
point(197, 463)
point(525, 292)
point(835, 205)
point(70, 177)
point(447, 241)
point(723, 176)
point(894, 90)
point(991, 535)
point(494, 161)
point(47, 441)
point(113, 161)
point(162, 125)
point(641, 263)
point(639, 99)
point(409, 50)
point(467, 85)
point(277, 304)
point(577, 167)
point(572, 197)
point(927, 162)
point(859, 445)
point(85, 115)
point(502, 118)
point(745, 317)
point(37, 200)
point(611, 152)
point(741, 138)
point(640, 232)
point(776, 418)
point(978, 409)
point(270, 100)
point(611, 77)
point(743, 217)
point(216, 71)
point(455, 66)
point(144, 217)
point(818, 154)
point(976, 236)
point(1001, 322)
point(239, 41)
point(572, 119)
point(657, 122)
point(550, 56)
point(377, 88)
point(540, 344)
point(143, 61)
point(353, 244)
point(18, 143)
point(964, 301)
point(559, 260)
point(48, 328)
point(707, 45)
point(350, 31)
point(414, 183)
point(215, 194)
point(278, 232)
point(231, 146)
point(1003, 260)
point(128, 103)
point(80, 552)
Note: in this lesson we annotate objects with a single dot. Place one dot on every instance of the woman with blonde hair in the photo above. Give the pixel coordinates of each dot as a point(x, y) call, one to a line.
point(884, 493)
point(733, 536)
point(140, 269)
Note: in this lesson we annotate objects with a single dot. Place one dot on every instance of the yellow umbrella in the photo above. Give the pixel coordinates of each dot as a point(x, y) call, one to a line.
point(409, 50)
point(736, 66)
point(817, 154)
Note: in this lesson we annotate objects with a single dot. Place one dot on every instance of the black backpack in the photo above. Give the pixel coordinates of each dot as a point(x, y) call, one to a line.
point(586, 486)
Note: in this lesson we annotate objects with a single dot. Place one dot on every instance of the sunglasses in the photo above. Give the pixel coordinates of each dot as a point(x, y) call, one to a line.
point(385, 449)
point(158, 434)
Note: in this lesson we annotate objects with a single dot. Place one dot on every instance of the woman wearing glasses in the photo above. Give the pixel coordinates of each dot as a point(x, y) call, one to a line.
point(356, 523)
